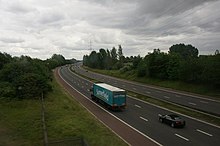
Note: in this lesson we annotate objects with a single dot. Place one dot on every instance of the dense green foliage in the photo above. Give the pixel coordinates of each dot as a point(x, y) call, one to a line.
point(24, 77)
point(181, 63)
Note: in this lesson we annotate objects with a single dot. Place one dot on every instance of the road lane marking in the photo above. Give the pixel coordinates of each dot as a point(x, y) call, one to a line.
point(144, 119)
point(147, 92)
point(191, 103)
point(138, 106)
point(204, 101)
point(204, 132)
point(182, 137)
point(166, 97)
point(134, 89)
point(177, 95)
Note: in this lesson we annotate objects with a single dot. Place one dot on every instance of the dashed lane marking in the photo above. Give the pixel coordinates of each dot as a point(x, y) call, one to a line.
point(138, 106)
point(204, 101)
point(144, 119)
point(191, 103)
point(182, 137)
point(204, 132)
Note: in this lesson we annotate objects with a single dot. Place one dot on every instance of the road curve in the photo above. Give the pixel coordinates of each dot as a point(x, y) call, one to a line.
point(143, 117)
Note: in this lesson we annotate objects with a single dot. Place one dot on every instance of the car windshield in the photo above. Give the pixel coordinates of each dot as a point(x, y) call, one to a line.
point(175, 117)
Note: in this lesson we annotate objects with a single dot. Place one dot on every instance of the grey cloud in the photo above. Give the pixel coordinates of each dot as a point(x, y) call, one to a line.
point(18, 7)
point(49, 17)
point(11, 40)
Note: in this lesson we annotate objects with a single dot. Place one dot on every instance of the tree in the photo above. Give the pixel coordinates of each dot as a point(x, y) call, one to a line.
point(216, 52)
point(136, 61)
point(173, 66)
point(24, 77)
point(102, 58)
point(114, 55)
point(157, 64)
point(185, 51)
point(120, 54)
point(4, 59)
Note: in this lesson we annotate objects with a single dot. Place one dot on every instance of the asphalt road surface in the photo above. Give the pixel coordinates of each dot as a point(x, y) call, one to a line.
point(143, 117)
point(206, 105)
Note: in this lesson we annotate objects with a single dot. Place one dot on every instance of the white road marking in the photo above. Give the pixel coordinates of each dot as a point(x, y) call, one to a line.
point(177, 95)
point(134, 89)
point(137, 106)
point(166, 97)
point(204, 132)
point(204, 101)
point(182, 137)
point(191, 103)
point(147, 92)
point(144, 119)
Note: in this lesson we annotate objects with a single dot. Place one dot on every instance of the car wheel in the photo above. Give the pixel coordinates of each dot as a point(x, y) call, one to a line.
point(161, 120)
point(172, 125)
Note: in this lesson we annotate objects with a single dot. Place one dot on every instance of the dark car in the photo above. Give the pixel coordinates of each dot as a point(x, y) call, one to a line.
point(172, 120)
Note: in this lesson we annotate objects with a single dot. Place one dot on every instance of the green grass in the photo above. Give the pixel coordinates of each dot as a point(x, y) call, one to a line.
point(20, 122)
point(66, 118)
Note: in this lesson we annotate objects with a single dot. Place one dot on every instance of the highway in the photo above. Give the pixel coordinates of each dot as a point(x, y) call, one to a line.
point(206, 105)
point(143, 117)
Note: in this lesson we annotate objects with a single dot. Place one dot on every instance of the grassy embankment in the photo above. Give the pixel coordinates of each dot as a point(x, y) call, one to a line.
point(170, 106)
point(20, 122)
point(206, 90)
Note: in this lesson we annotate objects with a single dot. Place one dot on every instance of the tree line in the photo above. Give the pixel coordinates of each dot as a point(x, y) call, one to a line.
point(181, 63)
point(27, 78)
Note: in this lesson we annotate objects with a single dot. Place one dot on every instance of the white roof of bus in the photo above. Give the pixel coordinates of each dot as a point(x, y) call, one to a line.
point(109, 87)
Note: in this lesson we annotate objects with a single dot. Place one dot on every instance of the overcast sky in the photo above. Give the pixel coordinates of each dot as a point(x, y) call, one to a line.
point(41, 28)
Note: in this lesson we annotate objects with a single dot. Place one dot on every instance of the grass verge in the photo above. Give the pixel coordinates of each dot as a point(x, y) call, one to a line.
point(20, 122)
point(201, 89)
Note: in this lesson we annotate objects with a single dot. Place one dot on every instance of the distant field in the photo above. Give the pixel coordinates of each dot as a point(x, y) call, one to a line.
point(20, 122)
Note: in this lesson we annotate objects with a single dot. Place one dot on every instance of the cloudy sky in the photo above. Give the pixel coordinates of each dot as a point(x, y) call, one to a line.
point(41, 28)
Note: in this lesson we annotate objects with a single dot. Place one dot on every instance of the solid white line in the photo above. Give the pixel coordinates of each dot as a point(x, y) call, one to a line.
point(144, 119)
point(166, 97)
point(137, 106)
point(110, 114)
point(204, 132)
point(182, 137)
point(191, 103)
point(148, 92)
